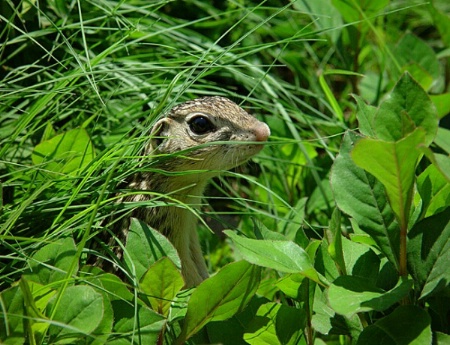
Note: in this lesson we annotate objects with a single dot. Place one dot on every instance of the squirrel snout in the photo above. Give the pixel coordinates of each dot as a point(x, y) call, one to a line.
point(261, 131)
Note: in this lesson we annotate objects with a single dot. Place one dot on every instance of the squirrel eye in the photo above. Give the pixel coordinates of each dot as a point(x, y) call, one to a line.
point(200, 125)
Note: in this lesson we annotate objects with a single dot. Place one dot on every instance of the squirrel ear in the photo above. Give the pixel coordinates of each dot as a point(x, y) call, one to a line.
point(159, 133)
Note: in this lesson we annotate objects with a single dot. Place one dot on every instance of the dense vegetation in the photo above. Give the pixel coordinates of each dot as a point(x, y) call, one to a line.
point(337, 232)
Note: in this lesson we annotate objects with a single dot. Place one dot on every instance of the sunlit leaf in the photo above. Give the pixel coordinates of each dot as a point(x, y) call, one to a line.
point(220, 297)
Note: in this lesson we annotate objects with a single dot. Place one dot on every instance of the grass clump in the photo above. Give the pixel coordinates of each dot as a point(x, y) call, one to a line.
point(85, 80)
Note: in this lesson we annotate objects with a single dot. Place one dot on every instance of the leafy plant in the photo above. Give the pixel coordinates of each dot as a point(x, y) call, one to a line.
point(338, 235)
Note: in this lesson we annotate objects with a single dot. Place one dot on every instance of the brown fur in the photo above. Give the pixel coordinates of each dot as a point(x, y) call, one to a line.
point(208, 154)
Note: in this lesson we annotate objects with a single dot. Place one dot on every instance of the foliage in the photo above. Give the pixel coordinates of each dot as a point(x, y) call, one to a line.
point(344, 217)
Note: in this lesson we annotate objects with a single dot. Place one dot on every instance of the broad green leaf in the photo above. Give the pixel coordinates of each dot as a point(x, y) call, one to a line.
point(365, 115)
point(406, 325)
point(393, 164)
point(276, 323)
point(442, 104)
point(145, 246)
point(108, 283)
point(160, 284)
point(360, 260)
point(50, 263)
point(291, 285)
point(112, 288)
point(349, 295)
point(412, 51)
point(65, 153)
point(434, 190)
point(135, 323)
point(443, 139)
point(429, 253)
point(284, 256)
point(220, 297)
point(326, 321)
point(361, 196)
point(440, 161)
point(231, 331)
point(12, 331)
point(442, 338)
point(407, 108)
point(79, 312)
point(179, 305)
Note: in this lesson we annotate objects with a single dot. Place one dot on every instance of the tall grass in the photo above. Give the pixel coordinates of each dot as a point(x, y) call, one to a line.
point(113, 68)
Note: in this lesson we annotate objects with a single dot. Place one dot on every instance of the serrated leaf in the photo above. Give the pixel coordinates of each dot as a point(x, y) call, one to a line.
point(407, 325)
point(220, 296)
point(349, 295)
point(394, 165)
point(161, 283)
point(284, 256)
point(145, 246)
point(429, 253)
point(363, 197)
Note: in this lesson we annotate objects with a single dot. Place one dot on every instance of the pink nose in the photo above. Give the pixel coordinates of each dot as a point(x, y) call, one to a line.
point(261, 132)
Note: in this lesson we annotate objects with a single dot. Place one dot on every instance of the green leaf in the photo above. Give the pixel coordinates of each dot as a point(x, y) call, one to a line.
point(161, 283)
point(361, 196)
point(360, 260)
point(51, 263)
point(326, 321)
point(65, 153)
point(349, 295)
point(276, 324)
point(365, 115)
point(412, 51)
point(231, 331)
point(291, 285)
point(442, 104)
point(79, 312)
point(12, 331)
point(407, 108)
point(135, 324)
point(434, 190)
point(335, 241)
point(429, 253)
point(443, 139)
point(220, 296)
point(407, 325)
point(112, 288)
point(284, 256)
point(393, 164)
point(145, 246)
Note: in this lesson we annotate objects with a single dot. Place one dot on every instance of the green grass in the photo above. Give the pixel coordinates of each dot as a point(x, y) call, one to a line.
point(112, 68)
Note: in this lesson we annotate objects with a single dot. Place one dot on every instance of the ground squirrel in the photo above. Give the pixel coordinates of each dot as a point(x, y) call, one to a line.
point(210, 131)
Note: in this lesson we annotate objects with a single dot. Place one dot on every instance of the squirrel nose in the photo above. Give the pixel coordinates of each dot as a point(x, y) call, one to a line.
point(261, 131)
